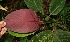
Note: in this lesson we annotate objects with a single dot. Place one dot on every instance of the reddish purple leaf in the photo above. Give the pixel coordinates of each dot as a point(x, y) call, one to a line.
point(22, 21)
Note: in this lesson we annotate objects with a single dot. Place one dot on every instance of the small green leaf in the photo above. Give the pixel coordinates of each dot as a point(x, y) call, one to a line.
point(19, 34)
point(35, 5)
point(47, 18)
point(56, 6)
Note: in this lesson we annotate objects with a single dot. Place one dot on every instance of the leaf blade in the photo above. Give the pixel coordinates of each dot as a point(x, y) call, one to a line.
point(56, 6)
point(49, 36)
point(35, 5)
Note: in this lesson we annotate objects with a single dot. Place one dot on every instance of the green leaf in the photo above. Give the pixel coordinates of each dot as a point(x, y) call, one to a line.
point(19, 34)
point(61, 36)
point(47, 18)
point(49, 36)
point(64, 11)
point(65, 16)
point(35, 5)
point(56, 6)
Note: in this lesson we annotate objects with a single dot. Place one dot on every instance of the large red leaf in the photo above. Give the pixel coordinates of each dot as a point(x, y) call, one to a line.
point(22, 21)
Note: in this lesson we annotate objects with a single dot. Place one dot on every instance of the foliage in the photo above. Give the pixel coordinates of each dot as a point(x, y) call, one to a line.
point(36, 5)
point(58, 7)
point(50, 36)
point(55, 15)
